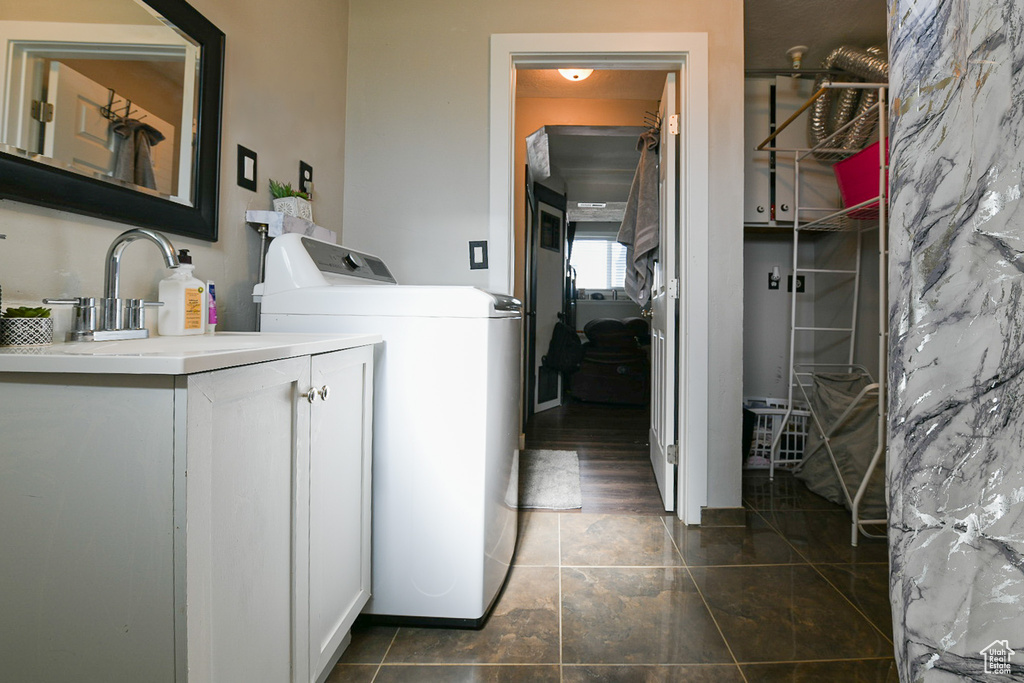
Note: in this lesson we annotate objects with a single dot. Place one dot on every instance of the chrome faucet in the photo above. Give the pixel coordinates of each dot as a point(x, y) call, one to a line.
point(114, 314)
point(121, 318)
point(112, 272)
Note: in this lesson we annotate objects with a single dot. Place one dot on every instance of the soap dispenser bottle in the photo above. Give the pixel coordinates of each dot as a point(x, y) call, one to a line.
point(183, 296)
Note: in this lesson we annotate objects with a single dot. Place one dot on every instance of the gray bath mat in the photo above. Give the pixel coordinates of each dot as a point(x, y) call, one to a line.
point(549, 480)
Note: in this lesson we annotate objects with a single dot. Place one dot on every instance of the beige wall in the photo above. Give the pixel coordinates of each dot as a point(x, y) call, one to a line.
point(94, 11)
point(534, 112)
point(416, 161)
point(284, 97)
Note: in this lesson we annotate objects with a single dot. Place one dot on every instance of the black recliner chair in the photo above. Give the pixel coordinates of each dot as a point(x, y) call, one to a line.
point(615, 367)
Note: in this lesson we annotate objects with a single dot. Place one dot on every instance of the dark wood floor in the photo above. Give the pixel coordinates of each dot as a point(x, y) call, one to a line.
point(611, 440)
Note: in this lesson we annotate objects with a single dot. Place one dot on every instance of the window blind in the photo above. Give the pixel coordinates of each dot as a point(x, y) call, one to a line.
point(599, 263)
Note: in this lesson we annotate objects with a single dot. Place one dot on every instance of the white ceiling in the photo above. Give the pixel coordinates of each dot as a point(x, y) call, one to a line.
point(597, 163)
point(601, 85)
point(771, 27)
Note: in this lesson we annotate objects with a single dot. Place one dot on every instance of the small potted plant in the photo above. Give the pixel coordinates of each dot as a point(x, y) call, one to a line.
point(291, 202)
point(26, 326)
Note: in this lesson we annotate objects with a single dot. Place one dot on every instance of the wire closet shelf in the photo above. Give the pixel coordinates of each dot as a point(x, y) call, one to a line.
point(858, 219)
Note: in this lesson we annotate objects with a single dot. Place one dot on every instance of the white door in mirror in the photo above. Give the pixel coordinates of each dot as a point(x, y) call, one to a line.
point(82, 137)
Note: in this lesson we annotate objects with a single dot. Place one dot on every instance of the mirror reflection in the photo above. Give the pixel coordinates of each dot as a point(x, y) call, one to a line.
point(108, 91)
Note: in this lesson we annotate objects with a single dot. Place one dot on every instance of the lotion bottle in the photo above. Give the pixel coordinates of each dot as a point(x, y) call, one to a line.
point(184, 299)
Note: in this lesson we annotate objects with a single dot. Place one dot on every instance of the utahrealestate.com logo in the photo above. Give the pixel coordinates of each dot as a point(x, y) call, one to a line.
point(997, 657)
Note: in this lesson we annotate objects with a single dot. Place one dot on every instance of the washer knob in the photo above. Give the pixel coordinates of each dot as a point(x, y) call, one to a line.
point(353, 261)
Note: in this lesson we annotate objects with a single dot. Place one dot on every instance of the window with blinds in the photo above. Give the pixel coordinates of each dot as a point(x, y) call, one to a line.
point(599, 263)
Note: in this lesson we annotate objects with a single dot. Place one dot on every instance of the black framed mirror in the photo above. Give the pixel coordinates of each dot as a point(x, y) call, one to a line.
point(141, 83)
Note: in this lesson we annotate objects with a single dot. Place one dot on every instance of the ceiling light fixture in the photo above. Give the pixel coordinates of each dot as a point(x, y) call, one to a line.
point(575, 74)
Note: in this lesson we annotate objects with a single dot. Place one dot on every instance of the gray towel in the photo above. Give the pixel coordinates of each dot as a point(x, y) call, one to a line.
point(640, 223)
point(133, 161)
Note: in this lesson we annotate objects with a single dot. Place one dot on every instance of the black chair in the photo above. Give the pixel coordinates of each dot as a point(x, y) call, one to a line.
point(615, 368)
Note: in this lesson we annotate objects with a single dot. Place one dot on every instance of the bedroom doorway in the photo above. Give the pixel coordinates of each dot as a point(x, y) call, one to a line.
point(686, 55)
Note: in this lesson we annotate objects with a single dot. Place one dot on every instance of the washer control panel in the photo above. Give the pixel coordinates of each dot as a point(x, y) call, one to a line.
point(338, 260)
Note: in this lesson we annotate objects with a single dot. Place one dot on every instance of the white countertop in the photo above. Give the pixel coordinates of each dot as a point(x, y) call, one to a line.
point(174, 355)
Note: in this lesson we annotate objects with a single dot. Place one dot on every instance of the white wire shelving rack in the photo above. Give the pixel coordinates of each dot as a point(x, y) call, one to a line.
point(857, 221)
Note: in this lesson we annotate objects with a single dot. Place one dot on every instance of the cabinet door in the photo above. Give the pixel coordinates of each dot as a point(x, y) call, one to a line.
point(819, 194)
point(790, 95)
point(817, 183)
point(756, 183)
point(247, 438)
point(339, 501)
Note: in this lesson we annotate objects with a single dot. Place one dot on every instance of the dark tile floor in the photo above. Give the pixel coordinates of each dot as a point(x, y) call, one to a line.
point(632, 596)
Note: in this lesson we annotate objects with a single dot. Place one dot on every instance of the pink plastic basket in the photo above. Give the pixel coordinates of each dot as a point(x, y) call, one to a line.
point(858, 180)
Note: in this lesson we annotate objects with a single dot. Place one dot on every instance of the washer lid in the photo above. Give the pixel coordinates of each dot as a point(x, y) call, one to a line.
point(344, 265)
point(421, 301)
point(306, 276)
point(295, 261)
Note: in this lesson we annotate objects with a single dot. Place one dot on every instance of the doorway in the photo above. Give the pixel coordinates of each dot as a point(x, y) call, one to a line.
point(686, 55)
point(577, 180)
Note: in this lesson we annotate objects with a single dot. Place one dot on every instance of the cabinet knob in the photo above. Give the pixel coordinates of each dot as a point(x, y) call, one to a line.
point(760, 209)
point(322, 393)
point(785, 207)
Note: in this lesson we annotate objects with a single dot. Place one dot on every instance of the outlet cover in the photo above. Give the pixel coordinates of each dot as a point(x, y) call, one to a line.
point(799, 284)
point(772, 283)
point(305, 176)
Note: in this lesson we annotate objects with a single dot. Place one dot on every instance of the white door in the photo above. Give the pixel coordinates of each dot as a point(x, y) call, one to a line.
point(664, 295)
point(550, 258)
point(82, 137)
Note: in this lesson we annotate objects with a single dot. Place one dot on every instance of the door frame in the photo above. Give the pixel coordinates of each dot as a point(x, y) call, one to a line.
point(687, 54)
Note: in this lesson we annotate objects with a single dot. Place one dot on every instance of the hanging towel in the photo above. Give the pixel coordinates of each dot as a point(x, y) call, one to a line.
point(133, 160)
point(640, 223)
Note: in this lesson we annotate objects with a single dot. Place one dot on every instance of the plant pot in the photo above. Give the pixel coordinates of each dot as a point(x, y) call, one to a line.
point(294, 206)
point(26, 331)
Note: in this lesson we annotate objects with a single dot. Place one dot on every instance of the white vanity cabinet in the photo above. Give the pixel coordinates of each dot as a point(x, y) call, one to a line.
point(212, 526)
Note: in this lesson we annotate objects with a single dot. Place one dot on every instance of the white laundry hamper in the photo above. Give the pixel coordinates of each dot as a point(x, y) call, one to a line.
point(770, 414)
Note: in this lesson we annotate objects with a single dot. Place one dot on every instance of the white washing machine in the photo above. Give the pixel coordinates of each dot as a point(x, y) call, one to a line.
point(446, 422)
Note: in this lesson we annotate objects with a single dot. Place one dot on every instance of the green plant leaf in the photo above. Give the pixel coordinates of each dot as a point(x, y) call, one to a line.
point(282, 190)
point(27, 312)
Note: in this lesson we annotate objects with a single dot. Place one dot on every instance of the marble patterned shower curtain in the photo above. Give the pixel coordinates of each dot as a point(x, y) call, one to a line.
point(956, 273)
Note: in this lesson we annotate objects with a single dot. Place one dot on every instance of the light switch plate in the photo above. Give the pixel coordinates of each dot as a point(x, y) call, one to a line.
point(247, 168)
point(478, 255)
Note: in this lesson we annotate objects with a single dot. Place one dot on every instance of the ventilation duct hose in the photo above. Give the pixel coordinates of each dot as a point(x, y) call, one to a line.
point(835, 108)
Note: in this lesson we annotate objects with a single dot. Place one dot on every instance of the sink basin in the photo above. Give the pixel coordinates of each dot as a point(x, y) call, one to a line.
point(174, 346)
